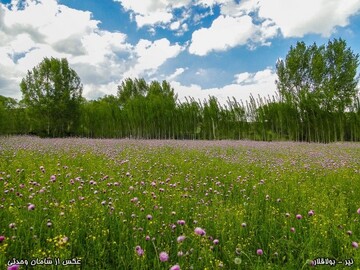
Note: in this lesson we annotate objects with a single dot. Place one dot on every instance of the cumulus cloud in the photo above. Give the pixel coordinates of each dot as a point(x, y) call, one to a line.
point(300, 17)
point(46, 28)
point(256, 22)
point(264, 76)
point(225, 32)
point(151, 12)
point(151, 55)
point(259, 83)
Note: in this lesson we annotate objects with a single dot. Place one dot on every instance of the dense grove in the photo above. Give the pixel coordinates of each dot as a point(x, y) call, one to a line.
point(151, 204)
point(317, 101)
point(158, 117)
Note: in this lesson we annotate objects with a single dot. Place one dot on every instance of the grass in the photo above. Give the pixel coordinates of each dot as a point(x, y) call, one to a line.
point(93, 199)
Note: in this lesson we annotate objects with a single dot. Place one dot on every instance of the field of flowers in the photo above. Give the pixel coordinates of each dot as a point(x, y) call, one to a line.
point(126, 204)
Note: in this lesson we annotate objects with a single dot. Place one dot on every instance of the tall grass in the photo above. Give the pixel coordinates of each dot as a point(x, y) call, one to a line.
point(98, 200)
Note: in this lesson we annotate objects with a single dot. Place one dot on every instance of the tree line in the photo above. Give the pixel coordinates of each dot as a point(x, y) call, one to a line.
point(317, 101)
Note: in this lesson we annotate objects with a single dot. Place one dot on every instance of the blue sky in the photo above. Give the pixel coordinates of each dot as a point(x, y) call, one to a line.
point(202, 47)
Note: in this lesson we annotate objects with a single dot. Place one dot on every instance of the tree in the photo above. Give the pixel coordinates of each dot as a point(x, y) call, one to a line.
point(52, 93)
point(319, 80)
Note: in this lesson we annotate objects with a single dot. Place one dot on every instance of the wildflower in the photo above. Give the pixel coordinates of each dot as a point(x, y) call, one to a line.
point(49, 224)
point(181, 222)
point(259, 252)
point(216, 242)
point(237, 260)
point(139, 251)
point(53, 178)
point(2, 238)
point(31, 207)
point(163, 256)
point(199, 231)
point(358, 211)
point(149, 217)
point(287, 215)
point(349, 232)
point(311, 213)
point(12, 225)
point(355, 244)
point(292, 229)
point(243, 224)
point(147, 238)
point(14, 267)
point(175, 267)
point(298, 216)
point(181, 238)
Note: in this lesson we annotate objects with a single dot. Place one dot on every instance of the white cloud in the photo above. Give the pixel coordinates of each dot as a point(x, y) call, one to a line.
point(300, 17)
point(242, 77)
point(266, 76)
point(175, 25)
point(225, 32)
point(47, 29)
point(256, 22)
point(151, 12)
point(94, 91)
point(153, 18)
point(151, 55)
point(260, 83)
point(176, 73)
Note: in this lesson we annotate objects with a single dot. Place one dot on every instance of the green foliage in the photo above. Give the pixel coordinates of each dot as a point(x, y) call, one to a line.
point(52, 93)
point(320, 83)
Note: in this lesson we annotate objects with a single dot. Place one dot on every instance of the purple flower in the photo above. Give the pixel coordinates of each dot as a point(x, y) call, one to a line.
point(358, 211)
point(311, 213)
point(163, 256)
point(14, 267)
point(139, 251)
point(2, 238)
point(292, 229)
point(149, 217)
point(181, 238)
point(181, 222)
point(199, 231)
point(216, 242)
point(53, 178)
point(31, 207)
point(355, 244)
point(147, 238)
point(259, 252)
point(175, 267)
point(298, 216)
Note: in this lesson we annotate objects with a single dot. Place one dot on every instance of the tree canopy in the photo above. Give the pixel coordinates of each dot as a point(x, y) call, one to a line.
point(324, 74)
point(52, 93)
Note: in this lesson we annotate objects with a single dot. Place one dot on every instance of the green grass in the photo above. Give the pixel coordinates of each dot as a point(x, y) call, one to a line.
point(213, 185)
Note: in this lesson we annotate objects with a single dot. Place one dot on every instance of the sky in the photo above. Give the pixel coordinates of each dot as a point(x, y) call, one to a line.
point(223, 48)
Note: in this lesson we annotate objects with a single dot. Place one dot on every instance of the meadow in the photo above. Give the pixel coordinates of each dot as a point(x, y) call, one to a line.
point(147, 204)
